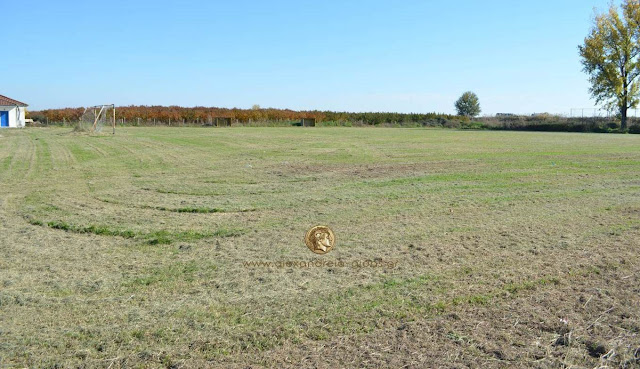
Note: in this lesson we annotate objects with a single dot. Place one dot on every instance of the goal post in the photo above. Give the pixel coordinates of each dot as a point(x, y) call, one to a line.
point(94, 118)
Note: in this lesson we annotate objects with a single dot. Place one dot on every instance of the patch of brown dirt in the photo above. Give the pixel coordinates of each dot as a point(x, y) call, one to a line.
point(591, 321)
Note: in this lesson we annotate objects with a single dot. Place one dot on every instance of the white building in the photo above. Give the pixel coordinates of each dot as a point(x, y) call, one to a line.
point(11, 112)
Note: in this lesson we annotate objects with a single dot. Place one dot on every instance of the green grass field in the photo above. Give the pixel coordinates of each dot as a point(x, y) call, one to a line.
point(163, 247)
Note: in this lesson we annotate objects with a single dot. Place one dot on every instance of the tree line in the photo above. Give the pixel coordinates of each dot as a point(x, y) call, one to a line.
point(203, 115)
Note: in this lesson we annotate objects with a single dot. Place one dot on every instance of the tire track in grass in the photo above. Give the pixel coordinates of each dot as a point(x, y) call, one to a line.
point(62, 157)
point(44, 159)
point(72, 158)
point(158, 237)
point(6, 147)
point(83, 153)
point(33, 156)
point(87, 223)
point(183, 209)
point(66, 156)
point(168, 150)
point(118, 146)
point(130, 162)
point(23, 155)
point(136, 158)
point(186, 158)
point(108, 147)
point(7, 159)
point(15, 156)
point(97, 149)
point(5, 164)
point(159, 159)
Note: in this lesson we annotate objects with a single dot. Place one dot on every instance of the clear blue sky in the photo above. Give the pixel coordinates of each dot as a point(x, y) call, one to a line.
point(406, 56)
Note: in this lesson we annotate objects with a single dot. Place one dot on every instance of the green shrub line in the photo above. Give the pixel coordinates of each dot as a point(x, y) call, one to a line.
point(499, 124)
point(131, 116)
point(545, 125)
point(518, 123)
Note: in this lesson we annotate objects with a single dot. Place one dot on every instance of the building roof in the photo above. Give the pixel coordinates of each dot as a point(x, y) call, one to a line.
point(5, 101)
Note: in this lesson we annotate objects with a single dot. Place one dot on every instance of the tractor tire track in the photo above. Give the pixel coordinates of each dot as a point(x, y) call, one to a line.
point(98, 150)
point(33, 158)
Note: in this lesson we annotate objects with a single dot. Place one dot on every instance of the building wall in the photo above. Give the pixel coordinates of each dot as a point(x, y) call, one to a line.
point(15, 120)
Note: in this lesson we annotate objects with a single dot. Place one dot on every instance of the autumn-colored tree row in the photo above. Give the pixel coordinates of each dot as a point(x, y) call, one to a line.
point(207, 114)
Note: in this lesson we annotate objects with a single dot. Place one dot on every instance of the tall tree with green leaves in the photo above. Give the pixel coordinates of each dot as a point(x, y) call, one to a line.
point(468, 104)
point(611, 57)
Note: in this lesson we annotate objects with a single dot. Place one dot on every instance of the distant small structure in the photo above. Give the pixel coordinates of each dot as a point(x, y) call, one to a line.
point(222, 122)
point(12, 113)
point(505, 115)
point(308, 122)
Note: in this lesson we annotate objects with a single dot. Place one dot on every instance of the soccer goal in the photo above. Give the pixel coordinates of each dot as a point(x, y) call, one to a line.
point(95, 118)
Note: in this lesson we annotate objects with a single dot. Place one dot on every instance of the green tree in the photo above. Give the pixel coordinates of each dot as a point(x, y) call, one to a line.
point(611, 57)
point(468, 104)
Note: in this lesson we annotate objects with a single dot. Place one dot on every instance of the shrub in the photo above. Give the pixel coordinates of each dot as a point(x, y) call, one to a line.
point(452, 124)
point(473, 125)
point(634, 129)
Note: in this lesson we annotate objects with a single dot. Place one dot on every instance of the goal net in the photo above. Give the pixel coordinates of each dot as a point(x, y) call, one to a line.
point(96, 118)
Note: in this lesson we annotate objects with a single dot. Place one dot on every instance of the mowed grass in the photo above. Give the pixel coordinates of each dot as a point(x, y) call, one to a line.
point(133, 249)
